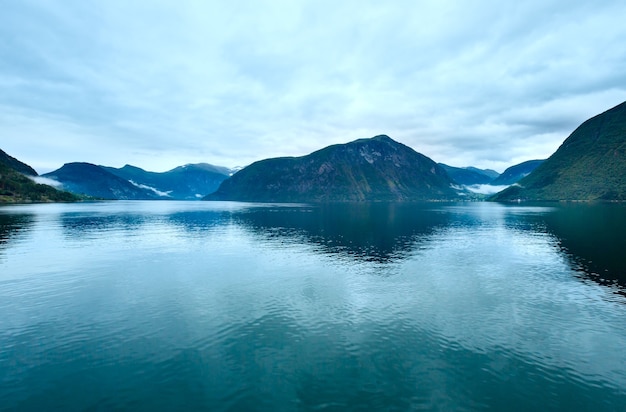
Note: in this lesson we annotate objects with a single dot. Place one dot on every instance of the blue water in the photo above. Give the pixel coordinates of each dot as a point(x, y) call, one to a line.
point(233, 306)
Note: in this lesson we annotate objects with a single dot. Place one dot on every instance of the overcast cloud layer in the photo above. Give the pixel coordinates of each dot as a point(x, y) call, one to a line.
point(158, 84)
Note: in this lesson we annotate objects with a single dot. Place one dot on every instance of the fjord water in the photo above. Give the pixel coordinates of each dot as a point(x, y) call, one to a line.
point(234, 306)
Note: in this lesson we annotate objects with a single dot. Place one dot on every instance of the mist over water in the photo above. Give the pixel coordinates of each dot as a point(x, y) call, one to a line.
point(234, 306)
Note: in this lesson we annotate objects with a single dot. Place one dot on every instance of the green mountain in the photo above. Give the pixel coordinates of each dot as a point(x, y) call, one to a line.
point(376, 169)
point(589, 165)
point(189, 182)
point(17, 184)
point(469, 175)
point(515, 173)
point(16, 165)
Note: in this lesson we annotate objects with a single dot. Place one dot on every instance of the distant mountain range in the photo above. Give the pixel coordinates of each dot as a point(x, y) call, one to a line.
point(589, 165)
point(376, 169)
point(470, 175)
point(18, 184)
point(91, 180)
point(187, 182)
point(515, 173)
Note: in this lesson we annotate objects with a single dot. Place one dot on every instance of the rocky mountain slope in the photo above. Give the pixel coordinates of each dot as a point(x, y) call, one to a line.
point(376, 169)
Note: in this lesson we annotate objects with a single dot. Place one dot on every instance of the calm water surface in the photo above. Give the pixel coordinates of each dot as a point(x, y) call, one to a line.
point(232, 306)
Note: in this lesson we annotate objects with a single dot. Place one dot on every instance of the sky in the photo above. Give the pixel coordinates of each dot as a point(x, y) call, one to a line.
point(158, 84)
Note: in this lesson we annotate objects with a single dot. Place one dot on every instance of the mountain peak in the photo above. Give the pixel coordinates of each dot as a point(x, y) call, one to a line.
point(380, 138)
point(362, 170)
point(13, 163)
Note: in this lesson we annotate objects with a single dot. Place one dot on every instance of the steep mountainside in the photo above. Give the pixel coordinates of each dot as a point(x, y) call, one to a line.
point(16, 165)
point(468, 176)
point(92, 180)
point(376, 169)
point(515, 173)
point(589, 165)
point(17, 186)
point(187, 182)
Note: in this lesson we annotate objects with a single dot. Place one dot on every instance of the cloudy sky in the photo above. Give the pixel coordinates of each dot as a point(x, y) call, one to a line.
point(158, 84)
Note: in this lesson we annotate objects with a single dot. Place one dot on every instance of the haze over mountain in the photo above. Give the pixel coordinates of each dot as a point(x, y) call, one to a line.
point(17, 184)
point(92, 180)
point(376, 169)
point(188, 182)
point(469, 175)
point(133, 183)
point(589, 165)
point(515, 173)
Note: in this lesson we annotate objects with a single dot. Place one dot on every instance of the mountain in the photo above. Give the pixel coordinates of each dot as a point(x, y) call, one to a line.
point(95, 181)
point(376, 169)
point(189, 182)
point(469, 175)
point(589, 165)
point(487, 172)
point(13, 163)
point(514, 173)
point(17, 184)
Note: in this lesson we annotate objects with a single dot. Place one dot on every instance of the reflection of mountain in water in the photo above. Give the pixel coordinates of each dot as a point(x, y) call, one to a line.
point(590, 235)
point(12, 226)
point(78, 225)
point(196, 221)
point(593, 235)
point(371, 231)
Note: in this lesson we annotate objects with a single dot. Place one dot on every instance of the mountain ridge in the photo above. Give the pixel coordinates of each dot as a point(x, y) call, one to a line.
point(187, 182)
point(469, 175)
point(589, 165)
point(515, 173)
point(374, 169)
point(93, 180)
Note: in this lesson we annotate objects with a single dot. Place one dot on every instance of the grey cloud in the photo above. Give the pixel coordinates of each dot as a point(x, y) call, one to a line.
point(479, 83)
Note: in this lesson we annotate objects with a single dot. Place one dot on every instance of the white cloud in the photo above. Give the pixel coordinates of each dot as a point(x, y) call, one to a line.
point(485, 189)
point(45, 181)
point(152, 189)
point(158, 84)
